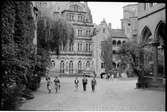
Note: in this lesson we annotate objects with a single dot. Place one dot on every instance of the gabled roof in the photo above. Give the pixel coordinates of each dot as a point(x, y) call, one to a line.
point(118, 33)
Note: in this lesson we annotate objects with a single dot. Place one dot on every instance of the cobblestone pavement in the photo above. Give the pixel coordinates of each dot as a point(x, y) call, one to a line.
point(118, 94)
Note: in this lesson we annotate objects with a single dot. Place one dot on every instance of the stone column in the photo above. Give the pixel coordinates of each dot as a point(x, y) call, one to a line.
point(155, 62)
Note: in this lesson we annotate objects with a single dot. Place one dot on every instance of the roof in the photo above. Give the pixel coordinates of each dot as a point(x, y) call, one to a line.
point(118, 33)
point(130, 5)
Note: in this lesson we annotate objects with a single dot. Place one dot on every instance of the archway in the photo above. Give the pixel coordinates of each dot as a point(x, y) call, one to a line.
point(119, 42)
point(71, 67)
point(114, 42)
point(161, 49)
point(146, 57)
point(114, 65)
point(62, 67)
point(79, 66)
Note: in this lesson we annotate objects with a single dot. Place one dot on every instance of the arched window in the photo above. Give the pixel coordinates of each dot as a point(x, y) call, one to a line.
point(62, 67)
point(118, 42)
point(79, 46)
point(114, 42)
point(79, 66)
point(87, 64)
point(71, 67)
point(114, 64)
point(53, 63)
point(86, 46)
point(123, 42)
point(146, 33)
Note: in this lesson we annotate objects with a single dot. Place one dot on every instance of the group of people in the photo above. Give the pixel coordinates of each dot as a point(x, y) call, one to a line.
point(56, 83)
point(85, 82)
point(76, 82)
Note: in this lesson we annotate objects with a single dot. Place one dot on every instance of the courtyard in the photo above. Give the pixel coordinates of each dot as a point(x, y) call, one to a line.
point(113, 95)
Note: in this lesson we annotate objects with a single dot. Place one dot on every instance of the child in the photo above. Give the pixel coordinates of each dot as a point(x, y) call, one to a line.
point(49, 84)
point(57, 84)
point(76, 82)
point(93, 83)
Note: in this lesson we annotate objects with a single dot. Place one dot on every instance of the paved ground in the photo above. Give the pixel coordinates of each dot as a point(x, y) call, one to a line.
point(110, 95)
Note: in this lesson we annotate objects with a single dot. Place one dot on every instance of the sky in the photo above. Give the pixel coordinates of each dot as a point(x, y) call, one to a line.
point(112, 12)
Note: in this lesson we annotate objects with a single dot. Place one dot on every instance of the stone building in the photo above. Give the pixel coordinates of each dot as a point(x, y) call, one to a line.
point(102, 33)
point(151, 34)
point(118, 38)
point(129, 21)
point(75, 57)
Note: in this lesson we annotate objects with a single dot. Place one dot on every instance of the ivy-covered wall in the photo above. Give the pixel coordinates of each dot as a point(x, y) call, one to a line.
point(17, 49)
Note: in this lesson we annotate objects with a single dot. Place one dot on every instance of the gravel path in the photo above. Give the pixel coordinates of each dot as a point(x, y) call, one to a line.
point(111, 95)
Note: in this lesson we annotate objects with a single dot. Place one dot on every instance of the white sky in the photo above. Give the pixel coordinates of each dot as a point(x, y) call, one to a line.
point(111, 11)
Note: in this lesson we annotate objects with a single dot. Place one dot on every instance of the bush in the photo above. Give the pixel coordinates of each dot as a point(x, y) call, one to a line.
point(10, 98)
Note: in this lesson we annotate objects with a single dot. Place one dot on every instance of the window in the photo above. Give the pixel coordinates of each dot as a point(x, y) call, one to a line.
point(89, 33)
point(119, 42)
point(75, 8)
point(79, 18)
point(62, 47)
point(53, 63)
point(102, 65)
point(79, 66)
point(86, 46)
point(150, 4)
point(71, 67)
point(114, 42)
point(66, 66)
point(87, 64)
point(72, 17)
point(79, 32)
point(128, 24)
point(86, 32)
point(62, 67)
point(71, 47)
point(79, 46)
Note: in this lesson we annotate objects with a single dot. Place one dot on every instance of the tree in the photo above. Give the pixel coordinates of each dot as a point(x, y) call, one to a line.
point(50, 35)
point(17, 49)
point(106, 54)
point(131, 53)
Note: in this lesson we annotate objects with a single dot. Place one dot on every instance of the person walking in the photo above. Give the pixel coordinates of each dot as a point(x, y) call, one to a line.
point(76, 82)
point(84, 82)
point(57, 84)
point(93, 84)
point(49, 84)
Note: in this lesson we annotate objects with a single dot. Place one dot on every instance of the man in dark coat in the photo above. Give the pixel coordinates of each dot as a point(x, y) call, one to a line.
point(84, 82)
